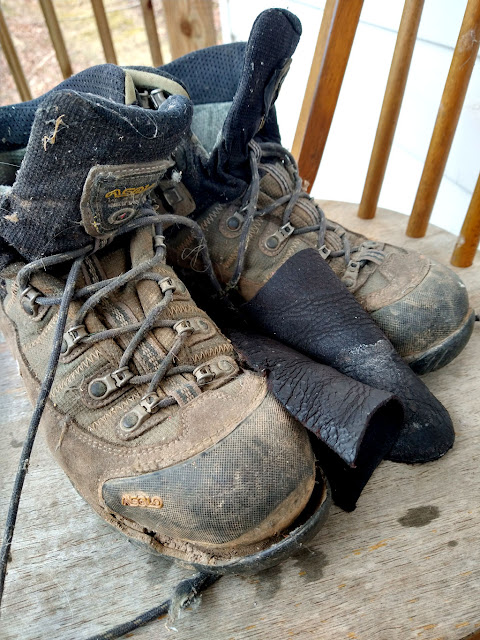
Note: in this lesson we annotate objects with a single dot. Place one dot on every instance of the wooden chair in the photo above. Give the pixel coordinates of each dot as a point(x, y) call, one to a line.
point(332, 52)
point(406, 563)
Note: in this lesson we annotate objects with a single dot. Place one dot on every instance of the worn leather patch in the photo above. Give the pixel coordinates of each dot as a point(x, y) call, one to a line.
point(112, 194)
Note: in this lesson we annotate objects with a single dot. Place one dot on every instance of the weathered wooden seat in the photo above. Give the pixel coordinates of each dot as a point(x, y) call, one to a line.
point(405, 564)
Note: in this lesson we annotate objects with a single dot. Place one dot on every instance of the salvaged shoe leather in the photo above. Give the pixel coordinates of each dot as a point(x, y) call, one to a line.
point(270, 243)
point(255, 213)
point(150, 415)
point(356, 424)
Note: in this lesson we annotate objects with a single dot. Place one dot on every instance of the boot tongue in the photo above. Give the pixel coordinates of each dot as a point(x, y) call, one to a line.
point(273, 39)
point(89, 165)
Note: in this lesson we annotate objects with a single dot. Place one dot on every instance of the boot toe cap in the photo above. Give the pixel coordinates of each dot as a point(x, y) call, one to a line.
point(242, 490)
point(432, 323)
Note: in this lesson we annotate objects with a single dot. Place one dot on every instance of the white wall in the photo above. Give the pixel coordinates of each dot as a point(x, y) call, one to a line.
point(344, 165)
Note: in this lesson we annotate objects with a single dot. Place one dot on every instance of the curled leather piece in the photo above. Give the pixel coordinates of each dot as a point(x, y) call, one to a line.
point(356, 423)
point(307, 307)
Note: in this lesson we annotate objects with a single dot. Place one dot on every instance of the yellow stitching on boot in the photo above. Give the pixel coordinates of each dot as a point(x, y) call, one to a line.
point(210, 217)
point(113, 411)
point(180, 308)
point(129, 191)
point(91, 358)
point(48, 327)
point(212, 352)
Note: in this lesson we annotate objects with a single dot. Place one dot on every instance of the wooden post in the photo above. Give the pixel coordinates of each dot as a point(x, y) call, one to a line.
point(339, 23)
point(190, 25)
point(13, 61)
point(453, 97)
point(392, 102)
point(315, 67)
point(152, 33)
point(56, 37)
point(104, 31)
point(469, 238)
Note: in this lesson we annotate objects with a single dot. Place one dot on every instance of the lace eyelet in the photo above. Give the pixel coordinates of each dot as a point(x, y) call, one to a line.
point(28, 301)
point(183, 326)
point(324, 251)
point(167, 284)
point(277, 238)
point(235, 222)
point(101, 388)
point(135, 418)
point(203, 374)
point(215, 369)
point(72, 337)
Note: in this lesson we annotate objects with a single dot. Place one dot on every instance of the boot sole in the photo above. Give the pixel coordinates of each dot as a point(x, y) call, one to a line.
point(443, 352)
point(293, 539)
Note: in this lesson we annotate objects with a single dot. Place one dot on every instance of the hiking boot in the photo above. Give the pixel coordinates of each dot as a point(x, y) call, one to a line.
point(271, 245)
point(252, 199)
point(150, 414)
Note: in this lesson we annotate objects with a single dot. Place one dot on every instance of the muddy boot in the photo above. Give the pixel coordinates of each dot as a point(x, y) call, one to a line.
point(421, 306)
point(357, 423)
point(271, 245)
point(150, 414)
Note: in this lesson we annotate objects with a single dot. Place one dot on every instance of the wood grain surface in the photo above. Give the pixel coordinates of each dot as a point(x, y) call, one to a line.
point(190, 25)
point(404, 566)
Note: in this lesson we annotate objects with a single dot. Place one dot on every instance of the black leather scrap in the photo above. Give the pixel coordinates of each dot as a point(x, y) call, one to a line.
point(356, 423)
point(306, 306)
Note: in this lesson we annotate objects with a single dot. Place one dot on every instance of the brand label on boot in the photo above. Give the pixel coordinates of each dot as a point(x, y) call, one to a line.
point(114, 194)
point(150, 502)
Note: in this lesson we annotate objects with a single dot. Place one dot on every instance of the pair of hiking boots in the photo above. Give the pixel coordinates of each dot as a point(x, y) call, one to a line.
point(172, 434)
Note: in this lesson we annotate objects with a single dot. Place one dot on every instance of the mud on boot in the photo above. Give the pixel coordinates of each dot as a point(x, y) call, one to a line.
point(255, 213)
point(150, 414)
point(272, 245)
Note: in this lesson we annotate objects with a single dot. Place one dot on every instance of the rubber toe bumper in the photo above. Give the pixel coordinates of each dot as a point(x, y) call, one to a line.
point(231, 499)
point(431, 324)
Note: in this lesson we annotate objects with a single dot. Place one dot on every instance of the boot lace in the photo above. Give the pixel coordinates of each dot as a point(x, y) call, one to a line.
point(92, 295)
point(355, 257)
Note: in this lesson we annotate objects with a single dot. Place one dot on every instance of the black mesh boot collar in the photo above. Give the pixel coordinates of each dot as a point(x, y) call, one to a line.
point(89, 165)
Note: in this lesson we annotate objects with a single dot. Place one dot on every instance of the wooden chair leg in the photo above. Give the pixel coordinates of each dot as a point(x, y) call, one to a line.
point(190, 25)
point(469, 238)
point(152, 32)
point(104, 31)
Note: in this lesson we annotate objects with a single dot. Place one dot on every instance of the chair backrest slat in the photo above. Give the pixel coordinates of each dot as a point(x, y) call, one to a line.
point(315, 67)
point(449, 111)
point(340, 22)
point(56, 37)
point(190, 25)
point(152, 33)
point(469, 238)
point(104, 31)
point(13, 61)
point(392, 103)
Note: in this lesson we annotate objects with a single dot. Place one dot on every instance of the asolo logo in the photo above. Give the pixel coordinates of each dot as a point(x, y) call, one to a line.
point(150, 502)
point(129, 191)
